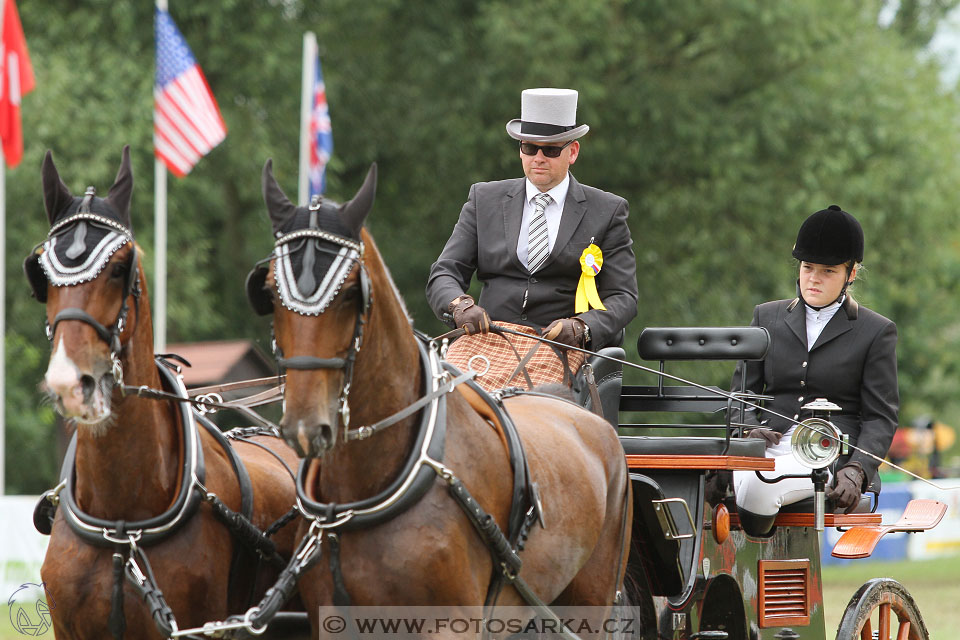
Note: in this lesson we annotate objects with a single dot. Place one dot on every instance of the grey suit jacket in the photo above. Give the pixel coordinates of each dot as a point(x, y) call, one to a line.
point(484, 241)
point(853, 364)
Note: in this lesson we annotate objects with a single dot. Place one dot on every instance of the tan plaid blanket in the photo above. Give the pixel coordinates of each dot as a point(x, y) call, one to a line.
point(545, 366)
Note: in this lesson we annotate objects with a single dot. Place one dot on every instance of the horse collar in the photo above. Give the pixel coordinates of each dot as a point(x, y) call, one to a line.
point(107, 533)
point(416, 478)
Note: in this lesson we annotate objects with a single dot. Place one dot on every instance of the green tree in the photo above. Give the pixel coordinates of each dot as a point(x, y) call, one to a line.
point(724, 124)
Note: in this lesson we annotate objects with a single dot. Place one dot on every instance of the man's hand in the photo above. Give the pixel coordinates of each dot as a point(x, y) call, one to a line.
point(846, 494)
point(772, 437)
point(469, 316)
point(566, 330)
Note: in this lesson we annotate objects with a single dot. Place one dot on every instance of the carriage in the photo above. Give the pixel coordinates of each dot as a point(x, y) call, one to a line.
point(636, 526)
point(700, 575)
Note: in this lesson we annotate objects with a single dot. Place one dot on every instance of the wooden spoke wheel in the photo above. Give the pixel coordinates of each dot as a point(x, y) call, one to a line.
point(882, 609)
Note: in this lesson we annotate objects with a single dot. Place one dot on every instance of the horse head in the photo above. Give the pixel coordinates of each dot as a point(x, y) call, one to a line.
point(317, 288)
point(88, 273)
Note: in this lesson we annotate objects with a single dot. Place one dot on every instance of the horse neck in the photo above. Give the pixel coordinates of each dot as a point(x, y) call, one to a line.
point(130, 471)
point(387, 378)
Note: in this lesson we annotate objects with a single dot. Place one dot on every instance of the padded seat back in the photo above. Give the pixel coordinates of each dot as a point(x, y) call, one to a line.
point(703, 343)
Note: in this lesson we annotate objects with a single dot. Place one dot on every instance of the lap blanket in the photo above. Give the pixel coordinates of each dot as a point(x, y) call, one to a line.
point(545, 366)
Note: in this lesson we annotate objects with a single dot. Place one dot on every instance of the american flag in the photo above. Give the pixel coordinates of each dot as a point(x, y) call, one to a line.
point(321, 135)
point(186, 119)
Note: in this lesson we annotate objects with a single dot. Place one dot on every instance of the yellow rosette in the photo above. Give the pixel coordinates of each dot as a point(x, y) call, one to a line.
point(587, 297)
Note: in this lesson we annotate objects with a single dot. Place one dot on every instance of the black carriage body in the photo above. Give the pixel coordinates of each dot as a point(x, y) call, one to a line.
point(685, 578)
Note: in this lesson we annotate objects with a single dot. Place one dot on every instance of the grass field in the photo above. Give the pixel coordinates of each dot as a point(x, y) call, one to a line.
point(934, 584)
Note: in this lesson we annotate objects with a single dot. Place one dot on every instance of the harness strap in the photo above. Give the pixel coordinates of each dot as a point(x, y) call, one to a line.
point(117, 622)
point(305, 363)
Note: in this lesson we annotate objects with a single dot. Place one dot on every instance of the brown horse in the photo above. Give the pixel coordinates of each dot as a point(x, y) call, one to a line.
point(135, 458)
point(352, 358)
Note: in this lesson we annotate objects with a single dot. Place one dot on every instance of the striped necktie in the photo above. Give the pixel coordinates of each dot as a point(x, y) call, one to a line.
point(538, 240)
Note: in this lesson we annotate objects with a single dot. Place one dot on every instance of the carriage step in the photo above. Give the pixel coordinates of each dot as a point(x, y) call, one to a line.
point(710, 635)
point(859, 542)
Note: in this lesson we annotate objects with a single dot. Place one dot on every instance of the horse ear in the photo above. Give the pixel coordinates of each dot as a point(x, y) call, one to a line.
point(355, 212)
point(122, 189)
point(278, 204)
point(56, 195)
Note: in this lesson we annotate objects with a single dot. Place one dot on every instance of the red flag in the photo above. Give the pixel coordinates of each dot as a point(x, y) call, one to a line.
point(16, 80)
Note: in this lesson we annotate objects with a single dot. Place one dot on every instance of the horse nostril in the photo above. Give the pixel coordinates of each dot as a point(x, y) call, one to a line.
point(89, 385)
point(324, 439)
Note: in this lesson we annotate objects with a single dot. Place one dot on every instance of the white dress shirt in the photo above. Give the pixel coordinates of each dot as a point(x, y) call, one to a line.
point(553, 211)
point(817, 320)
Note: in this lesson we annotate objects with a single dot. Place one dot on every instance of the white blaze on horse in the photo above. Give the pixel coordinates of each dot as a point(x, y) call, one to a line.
point(139, 475)
point(391, 485)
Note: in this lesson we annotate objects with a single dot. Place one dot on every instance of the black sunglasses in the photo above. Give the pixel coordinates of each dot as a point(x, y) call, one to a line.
point(530, 149)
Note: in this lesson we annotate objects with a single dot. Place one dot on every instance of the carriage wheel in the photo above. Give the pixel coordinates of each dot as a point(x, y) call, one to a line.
point(882, 609)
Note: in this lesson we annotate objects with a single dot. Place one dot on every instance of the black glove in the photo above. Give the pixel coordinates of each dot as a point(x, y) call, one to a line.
point(772, 437)
point(469, 316)
point(566, 330)
point(846, 493)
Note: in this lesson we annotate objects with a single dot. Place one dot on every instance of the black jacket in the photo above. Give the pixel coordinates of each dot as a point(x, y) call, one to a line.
point(853, 364)
point(484, 241)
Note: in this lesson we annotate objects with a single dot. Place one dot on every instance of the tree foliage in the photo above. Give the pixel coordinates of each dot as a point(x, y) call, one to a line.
point(724, 124)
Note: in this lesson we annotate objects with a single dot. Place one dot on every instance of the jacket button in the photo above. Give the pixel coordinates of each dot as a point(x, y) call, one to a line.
point(803, 383)
point(523, 316)
point(800, 399)
point(804, 364)
point(533, 280)
point(796, 415)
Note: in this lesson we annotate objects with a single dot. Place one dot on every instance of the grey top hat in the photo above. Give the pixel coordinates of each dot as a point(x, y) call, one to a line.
point(547, 115)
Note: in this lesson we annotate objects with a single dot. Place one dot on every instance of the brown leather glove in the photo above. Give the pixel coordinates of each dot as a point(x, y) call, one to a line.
point(846, 494)
point(469, 316)
point(566, 330)
point(772, 437)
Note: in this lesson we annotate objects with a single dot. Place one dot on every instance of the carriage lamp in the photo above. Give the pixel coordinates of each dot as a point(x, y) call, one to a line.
point(816, 443)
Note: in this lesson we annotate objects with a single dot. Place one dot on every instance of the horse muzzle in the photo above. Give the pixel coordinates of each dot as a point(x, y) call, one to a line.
point(310, 439)
point(83, 398)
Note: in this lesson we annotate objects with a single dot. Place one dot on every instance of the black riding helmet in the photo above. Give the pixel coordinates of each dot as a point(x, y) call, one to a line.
point(829, 236)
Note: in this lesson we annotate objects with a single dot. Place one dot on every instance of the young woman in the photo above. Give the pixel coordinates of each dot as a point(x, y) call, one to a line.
point(822, 345)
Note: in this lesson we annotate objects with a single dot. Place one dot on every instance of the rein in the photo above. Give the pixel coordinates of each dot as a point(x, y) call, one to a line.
point(730, 396)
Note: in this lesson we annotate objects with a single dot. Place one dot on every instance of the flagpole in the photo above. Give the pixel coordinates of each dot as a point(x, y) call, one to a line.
point(3, 316)
point(159, 308)
point(306, 107)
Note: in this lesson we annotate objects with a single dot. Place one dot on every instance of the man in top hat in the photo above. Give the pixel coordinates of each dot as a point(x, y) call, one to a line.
point(539, 243)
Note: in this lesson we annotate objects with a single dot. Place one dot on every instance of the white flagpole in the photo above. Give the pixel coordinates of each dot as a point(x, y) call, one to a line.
point(160, 245)
point(159, 307)
point(3, 297)
point(306, 106)
point(3, 315)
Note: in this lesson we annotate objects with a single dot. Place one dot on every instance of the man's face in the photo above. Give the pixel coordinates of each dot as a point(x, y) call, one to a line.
point(546, 173)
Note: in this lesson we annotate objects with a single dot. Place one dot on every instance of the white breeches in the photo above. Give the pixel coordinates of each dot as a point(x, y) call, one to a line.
point(764, 499)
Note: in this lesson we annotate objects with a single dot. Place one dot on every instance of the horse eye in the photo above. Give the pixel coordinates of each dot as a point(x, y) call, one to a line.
point(118, 270)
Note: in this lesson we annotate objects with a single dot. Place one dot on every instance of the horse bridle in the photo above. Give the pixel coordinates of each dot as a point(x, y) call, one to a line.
point(131, 287)
point(309, 363)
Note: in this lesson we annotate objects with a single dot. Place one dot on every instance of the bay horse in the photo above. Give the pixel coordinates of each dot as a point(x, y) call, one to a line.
point(352, 358)
point(139, 473)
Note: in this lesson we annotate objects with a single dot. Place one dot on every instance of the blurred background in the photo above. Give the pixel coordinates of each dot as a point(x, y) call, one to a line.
point(724, 124)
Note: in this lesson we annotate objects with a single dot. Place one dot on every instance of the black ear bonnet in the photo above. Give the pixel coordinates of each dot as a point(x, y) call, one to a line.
point(315, 251)
point(84, 232)
point(81, 241)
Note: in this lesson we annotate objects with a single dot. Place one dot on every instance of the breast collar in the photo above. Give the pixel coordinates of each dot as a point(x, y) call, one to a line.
point(108, 533)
